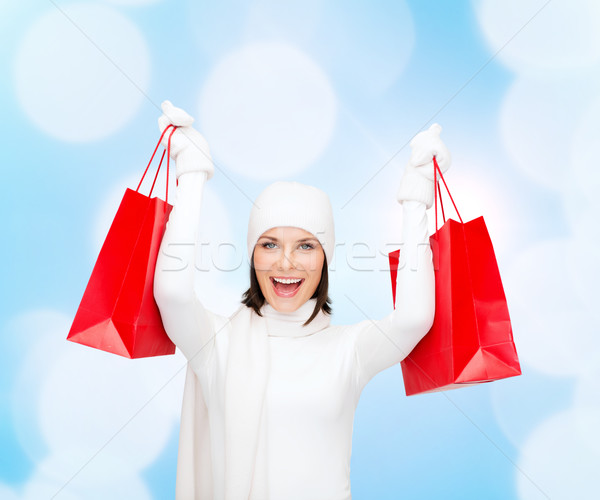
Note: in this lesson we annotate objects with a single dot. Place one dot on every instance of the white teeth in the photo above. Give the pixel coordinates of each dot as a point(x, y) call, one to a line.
point(287, 281)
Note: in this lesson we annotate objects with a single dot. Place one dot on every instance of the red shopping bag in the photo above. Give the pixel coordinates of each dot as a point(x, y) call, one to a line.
point(471, 339)
point(118, 312)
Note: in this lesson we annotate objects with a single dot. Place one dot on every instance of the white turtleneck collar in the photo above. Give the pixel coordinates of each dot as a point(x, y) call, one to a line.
point(282, 324)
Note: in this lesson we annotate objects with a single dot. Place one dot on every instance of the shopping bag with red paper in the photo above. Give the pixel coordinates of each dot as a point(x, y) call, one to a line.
point(118, 313)
point(471, 339)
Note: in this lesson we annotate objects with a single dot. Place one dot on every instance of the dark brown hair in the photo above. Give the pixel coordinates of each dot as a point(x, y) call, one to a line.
point(254, 298)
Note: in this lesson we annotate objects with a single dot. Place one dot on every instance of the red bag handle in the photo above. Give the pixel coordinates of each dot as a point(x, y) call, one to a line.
point(438, 194)
point(168, 151)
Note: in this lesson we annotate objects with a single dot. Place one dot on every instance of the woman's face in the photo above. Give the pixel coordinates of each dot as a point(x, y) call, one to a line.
point(288, 253)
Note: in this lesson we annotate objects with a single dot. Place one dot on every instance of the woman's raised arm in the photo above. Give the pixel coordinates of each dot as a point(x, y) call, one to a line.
point(189, 325)
point(381, 344)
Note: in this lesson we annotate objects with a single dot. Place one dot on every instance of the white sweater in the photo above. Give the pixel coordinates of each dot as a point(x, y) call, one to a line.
point(316, 372)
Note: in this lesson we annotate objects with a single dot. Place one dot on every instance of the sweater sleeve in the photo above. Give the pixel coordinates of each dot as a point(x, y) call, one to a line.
point(189, 325)
point(381, 344)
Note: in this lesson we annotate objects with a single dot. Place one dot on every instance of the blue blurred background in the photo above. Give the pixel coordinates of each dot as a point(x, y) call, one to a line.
point(328, 93)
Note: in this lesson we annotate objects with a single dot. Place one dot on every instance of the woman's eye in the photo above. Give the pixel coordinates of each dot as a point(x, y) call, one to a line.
point(303, 246)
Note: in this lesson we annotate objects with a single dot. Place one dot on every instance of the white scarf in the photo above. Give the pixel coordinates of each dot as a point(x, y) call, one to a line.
point(245, 383)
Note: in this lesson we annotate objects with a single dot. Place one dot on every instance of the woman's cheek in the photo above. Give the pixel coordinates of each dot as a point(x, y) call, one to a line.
point(314, 261)
point(261, 260)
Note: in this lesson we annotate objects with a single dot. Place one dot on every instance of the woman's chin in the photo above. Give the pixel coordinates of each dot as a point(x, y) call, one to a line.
point(285, 304)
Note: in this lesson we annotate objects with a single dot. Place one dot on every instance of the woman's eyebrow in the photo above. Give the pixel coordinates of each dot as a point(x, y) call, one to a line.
point(272, 238)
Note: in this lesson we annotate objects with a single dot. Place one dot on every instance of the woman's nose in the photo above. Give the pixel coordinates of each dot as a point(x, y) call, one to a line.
point(285, 260)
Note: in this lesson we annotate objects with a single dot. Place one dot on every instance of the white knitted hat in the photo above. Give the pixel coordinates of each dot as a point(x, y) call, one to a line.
point(293, 204)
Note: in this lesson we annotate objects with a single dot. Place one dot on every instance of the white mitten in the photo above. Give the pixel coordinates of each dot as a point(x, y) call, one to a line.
point(417, 182)
point(189, 148)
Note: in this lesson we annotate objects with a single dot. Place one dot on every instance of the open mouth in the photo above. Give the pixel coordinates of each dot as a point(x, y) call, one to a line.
point(286, 287)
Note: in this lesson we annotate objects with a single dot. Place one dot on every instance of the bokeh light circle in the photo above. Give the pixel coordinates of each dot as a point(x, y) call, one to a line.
point(268, 111)
point(81, 72)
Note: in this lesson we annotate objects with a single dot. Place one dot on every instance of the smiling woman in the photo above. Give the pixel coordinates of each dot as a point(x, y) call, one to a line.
point(271, 391)
point(288, 267)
